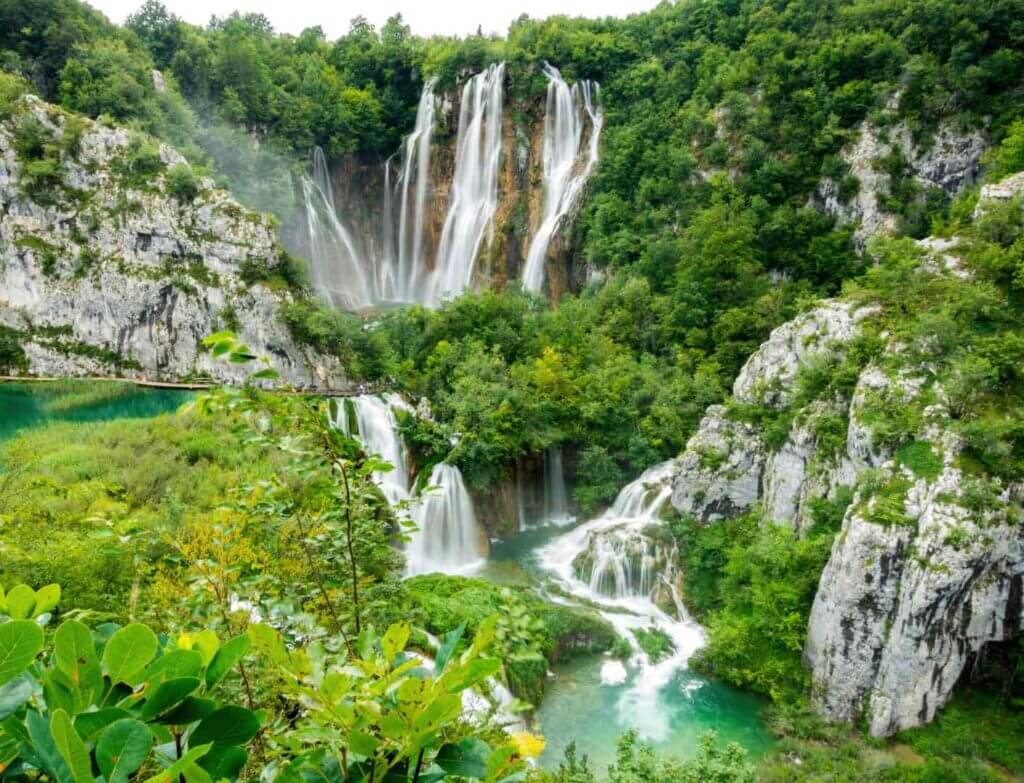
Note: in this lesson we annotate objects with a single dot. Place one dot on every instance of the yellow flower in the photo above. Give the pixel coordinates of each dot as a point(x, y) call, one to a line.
point(527, 745)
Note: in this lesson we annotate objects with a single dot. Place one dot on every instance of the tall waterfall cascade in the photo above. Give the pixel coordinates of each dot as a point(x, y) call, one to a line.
point(610, 563)
point(404, 260)
point(474, 193)
point(448, 538)
point(341, 274)
point(404, 270)
point(566, 166)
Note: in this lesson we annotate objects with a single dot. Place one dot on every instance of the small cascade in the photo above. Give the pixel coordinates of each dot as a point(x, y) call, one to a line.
point(556, 498)
point(566, 166)
point(449, 539)
point(340, 274)
point(622, 561)
point(377, 429)
point(474, 191)
point(610, 562)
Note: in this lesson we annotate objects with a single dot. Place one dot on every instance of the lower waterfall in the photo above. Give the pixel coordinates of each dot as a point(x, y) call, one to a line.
point(448, 538)
point(621, 578)
point(556, 498)
point(377, 428)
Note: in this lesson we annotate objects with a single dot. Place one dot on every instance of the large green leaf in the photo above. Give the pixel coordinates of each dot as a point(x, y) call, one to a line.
point(448, 644)
point(128, 652)
point(45, 750)
point(21, 603)
point(394, 640)
point(167, 696)
point(14, 694)
point(122, 748)
point(474, 672)
point(466, 758)
point(189, 711)
point(227, 656)
point(175, 664)
point(47, 599)
point(76, 656)
point(224, 763)
point(20, 643)
point(229, 725)
point(71, 747)
point(178, 767)
point(89, 724)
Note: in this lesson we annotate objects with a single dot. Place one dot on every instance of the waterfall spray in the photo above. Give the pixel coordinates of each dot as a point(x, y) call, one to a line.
point(340, 275)
point(565, 175)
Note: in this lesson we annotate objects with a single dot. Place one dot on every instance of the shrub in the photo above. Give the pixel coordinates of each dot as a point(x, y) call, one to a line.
point(182, 183)
point(12, 355)
point(12, 87)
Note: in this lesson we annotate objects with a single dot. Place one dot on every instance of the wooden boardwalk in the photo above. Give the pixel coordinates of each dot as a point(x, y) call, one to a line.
point(194, 385)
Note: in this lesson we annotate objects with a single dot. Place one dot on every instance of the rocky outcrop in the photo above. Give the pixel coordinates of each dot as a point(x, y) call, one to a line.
point(949, 162)
point(109, 270)
point(721, 473)
point(902, 606)
point(768, 375)
point(728, 466)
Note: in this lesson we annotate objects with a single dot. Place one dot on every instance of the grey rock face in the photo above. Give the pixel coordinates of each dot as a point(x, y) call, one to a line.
point(123, 279)
point(721, 472)
point(950, 162)
point(767, 376)
point(922, 575)
point(900, 608)
point(727, 466)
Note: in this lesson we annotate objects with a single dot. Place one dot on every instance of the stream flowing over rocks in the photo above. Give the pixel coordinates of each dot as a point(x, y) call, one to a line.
point(906, 600)
point(117, 278)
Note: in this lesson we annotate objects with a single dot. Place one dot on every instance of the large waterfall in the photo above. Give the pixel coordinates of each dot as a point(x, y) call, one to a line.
point(616, 579)
point(567, 113)
point(405, 269)
point(448, 539)
point(340, 274)
point(474, 192)
point(401, 265)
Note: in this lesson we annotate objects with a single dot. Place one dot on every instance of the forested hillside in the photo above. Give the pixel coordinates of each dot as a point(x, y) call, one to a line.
point(748, 458)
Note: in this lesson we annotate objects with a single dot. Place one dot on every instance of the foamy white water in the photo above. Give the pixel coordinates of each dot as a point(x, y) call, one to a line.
point(566, 166)
point(449, 539)
point(630, 607)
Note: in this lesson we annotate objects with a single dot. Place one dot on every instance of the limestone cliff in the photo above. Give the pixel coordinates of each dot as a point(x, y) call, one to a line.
point(928, 565)
point(116, 260)
point(946, 160)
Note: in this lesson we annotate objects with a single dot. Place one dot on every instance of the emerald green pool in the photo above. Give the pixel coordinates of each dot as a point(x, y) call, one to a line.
point(26, 405)
point(578, 708)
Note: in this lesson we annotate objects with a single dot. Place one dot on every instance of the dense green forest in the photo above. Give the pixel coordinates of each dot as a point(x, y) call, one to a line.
point(220, 593)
